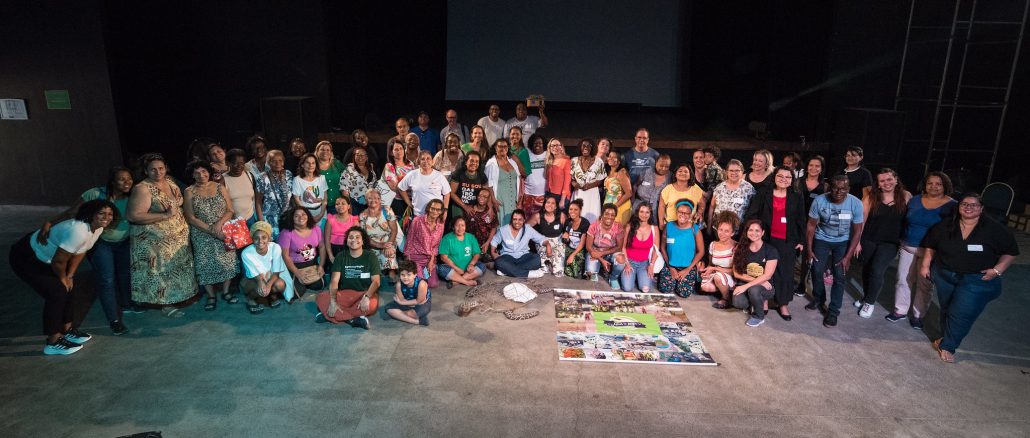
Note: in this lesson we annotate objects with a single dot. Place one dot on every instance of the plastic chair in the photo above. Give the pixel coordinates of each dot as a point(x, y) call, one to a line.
point(997, 199)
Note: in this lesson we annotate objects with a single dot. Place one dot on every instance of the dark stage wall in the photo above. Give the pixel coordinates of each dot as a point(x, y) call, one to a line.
point(56, 154)
point(172, 72)
point(183, 70)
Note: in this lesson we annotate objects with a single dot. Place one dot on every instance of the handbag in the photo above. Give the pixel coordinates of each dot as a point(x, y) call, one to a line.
point(237, 234)
point(659, 262)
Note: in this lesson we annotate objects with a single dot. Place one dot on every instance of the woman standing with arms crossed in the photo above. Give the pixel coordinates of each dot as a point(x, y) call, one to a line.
point(925, 210)
point(966, 258)
point(782, 211)
point(161, 263)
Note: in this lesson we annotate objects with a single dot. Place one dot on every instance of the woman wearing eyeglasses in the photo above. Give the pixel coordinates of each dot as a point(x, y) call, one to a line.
point(966, 258)
point(781, 210)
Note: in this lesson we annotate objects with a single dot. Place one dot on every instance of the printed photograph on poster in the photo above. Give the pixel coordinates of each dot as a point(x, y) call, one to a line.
point(626, 327)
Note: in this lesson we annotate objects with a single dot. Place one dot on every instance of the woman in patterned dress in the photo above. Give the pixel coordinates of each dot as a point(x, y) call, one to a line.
point(396, 168)
point(357, 178)
point(618, 189)
point(274, 186)
point(161, 262)
point(734, 194)
point(482, 222)
point(207, 208)
point(381, 226)
point(422, 240)
point(587, 176)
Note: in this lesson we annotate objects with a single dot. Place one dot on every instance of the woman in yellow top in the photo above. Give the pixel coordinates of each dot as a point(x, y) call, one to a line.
point(618, 189)
point(683, 187)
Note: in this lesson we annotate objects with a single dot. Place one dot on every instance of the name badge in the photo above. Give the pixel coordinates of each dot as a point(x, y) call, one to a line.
point(366, 275)
point(975, 248)
point(845, 215)
point(557, 226)
point(509, 242)
point(670, 241)
point(645, 183)
point(783, 220)
point(737, 200)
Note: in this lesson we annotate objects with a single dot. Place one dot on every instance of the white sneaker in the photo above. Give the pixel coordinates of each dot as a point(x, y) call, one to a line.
point(858, 303)
point(500, 274)
point(867, 311)
point(62, 346)
point(536, 273)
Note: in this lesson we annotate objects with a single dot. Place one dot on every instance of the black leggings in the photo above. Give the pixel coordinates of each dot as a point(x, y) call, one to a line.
point(875, 258)
point(57, 301)
point(783, 280)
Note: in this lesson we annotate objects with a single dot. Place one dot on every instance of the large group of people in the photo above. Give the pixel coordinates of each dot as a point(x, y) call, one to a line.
point(450, 205)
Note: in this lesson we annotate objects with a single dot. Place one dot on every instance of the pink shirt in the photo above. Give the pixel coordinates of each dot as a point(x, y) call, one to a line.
point(639, 250)
point(338, 232)
point(301, 249)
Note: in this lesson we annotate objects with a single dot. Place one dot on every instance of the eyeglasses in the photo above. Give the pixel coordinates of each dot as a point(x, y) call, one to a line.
point(970, 205)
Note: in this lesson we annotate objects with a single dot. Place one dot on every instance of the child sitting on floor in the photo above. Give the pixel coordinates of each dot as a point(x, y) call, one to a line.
point(411, 303)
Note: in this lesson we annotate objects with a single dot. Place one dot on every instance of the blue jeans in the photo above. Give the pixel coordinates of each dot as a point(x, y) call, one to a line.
point(638, 277)
point(594, 266)
point(828, 254)
point(962, 297)
point(444, 271)
point(111, 267)
point(517, 267)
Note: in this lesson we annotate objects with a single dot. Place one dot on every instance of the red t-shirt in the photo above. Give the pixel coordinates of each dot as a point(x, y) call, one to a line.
point(778, 228)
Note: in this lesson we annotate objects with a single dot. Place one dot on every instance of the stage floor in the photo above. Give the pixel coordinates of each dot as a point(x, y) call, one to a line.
point(227, 373)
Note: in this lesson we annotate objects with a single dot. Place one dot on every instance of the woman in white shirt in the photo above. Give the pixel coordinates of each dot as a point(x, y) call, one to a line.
point(425, 185)
point(49, 269)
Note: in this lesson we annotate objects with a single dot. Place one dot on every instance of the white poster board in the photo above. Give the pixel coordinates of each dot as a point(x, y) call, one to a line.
point(13, 109)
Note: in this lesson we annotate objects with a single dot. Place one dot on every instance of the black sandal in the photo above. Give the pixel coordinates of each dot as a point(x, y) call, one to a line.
point(230, 298)
point(212, 304)
point(721, 304)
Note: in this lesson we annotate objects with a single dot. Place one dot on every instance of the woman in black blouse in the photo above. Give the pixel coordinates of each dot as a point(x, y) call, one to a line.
point(884, 207)
point(965, 258)
point(813, 186)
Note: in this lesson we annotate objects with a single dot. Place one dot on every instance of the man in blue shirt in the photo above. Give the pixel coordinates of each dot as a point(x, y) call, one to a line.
point(428, 138)
point(834, 229)
point(639, 159)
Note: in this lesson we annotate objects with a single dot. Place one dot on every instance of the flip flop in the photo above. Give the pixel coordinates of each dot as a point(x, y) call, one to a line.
point(212, 304)
point(945, 355)
point(230, 298)
point(255, 309)
point(173, 312)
